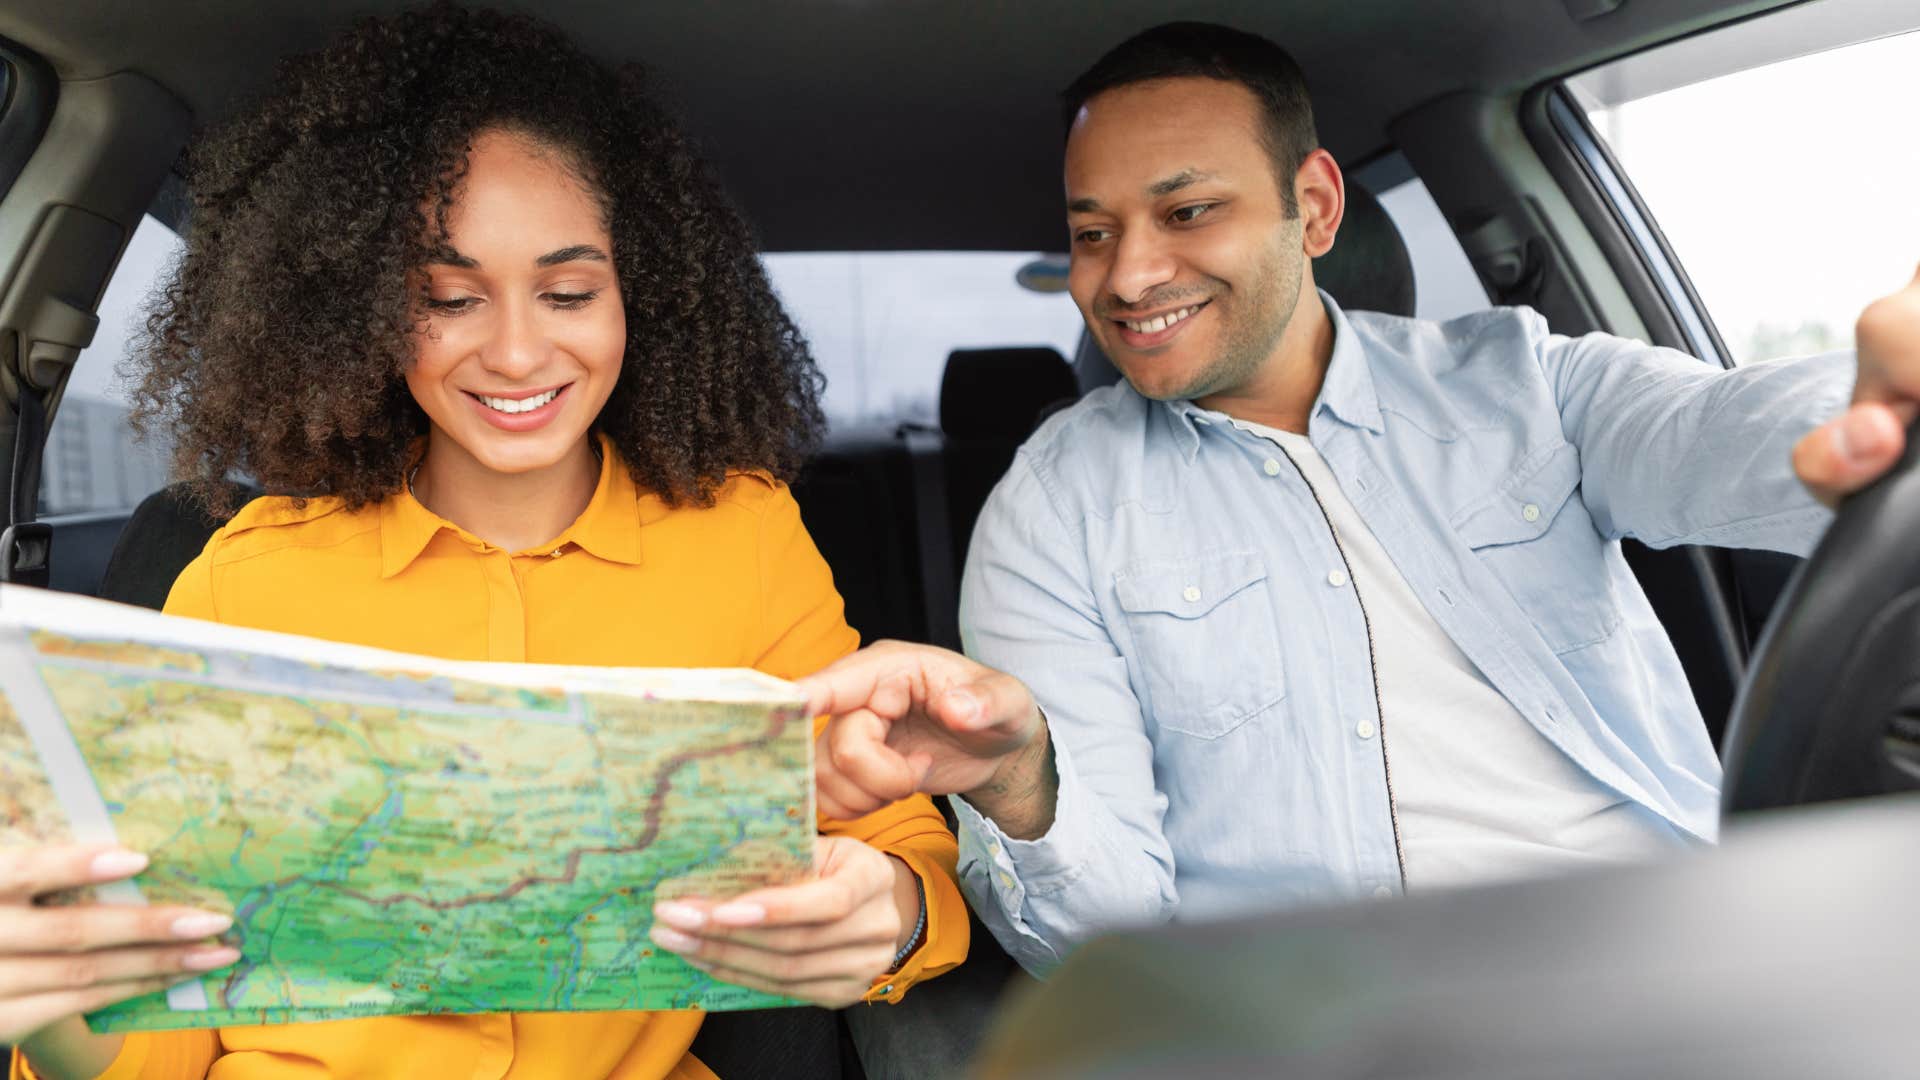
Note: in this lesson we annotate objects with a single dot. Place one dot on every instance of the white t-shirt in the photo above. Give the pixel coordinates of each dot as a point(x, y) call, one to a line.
point(1479, 794)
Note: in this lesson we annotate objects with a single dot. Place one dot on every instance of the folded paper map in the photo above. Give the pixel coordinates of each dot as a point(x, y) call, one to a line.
point(395, 833)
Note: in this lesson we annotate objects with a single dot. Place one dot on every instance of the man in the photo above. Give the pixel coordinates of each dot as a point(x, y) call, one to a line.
point(1324, 604)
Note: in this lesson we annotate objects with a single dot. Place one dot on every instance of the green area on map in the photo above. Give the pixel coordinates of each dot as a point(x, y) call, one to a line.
point(465, 847)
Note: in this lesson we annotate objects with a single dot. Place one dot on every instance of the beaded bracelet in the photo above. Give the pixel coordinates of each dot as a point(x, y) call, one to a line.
point(919, 928)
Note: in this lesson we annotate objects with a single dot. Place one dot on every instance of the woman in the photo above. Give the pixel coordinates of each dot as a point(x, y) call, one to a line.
point(468, 304)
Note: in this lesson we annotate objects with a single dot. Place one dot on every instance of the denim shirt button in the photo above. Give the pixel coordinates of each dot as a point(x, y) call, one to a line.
point(1272, 466)
point(1531, 512)
point(1191, 594)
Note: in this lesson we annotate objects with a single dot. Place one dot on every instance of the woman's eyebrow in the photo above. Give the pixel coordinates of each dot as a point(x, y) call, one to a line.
point(446, 256)
point(576, 253)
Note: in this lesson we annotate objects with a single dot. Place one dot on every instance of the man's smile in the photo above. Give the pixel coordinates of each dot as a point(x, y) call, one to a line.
point(1159, 328)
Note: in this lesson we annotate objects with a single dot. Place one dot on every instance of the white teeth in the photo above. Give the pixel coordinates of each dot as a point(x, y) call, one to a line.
point(1161, 322)
point(510, 405)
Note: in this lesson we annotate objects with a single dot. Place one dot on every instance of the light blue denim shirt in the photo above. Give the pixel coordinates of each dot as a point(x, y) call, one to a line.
point(1161, 583)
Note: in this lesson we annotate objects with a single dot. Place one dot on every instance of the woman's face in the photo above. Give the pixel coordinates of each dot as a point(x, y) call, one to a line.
point(525, 329)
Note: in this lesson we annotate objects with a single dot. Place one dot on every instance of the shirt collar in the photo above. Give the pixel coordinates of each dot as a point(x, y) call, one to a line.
point(609, 528)
point(1347, 392)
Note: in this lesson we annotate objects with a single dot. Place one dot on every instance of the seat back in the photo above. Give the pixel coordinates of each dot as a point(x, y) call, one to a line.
point(990, 401)
point(1368, 268)
point(857, 501)
point(166, 531)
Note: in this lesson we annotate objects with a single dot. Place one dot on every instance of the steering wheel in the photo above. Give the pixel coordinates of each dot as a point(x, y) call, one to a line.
point(1830, 708)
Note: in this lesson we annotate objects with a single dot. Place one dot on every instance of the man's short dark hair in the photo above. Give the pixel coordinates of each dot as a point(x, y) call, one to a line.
point(1210, 51)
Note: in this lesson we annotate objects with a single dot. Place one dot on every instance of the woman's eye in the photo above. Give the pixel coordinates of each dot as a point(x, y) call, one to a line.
point(452, 305)
point(1189, 213)
point(569, 301)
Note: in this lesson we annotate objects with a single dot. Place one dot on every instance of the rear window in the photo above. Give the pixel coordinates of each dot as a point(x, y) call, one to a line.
point(882, 323)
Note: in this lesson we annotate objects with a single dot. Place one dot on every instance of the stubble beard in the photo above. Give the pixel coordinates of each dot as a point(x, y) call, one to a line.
point(1253, 335)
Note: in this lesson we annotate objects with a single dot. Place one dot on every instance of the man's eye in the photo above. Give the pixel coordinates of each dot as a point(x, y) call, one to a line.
point(453, 305)
point(1089, 236)
point(1189, 213)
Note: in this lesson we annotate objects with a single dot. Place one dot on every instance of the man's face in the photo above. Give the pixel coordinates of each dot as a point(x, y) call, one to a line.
point(1186, 265)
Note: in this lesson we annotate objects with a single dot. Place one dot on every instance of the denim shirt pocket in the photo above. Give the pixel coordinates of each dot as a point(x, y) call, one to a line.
point(1204, 640)
point(1534, 533)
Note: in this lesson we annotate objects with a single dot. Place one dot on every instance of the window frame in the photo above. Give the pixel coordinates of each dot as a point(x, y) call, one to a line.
point(1631, 216)
point(1554, 116)
point(167, 199)
point(26, 109)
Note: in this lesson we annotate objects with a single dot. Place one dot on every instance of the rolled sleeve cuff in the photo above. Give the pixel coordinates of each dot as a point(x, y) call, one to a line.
point(1004, 873)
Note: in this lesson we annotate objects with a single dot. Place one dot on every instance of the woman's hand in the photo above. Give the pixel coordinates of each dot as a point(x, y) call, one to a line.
point(824, 940)
point(59, 962)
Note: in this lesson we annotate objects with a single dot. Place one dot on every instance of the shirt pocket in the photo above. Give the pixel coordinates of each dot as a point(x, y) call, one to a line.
point(1204, 640)
point(1534, 533)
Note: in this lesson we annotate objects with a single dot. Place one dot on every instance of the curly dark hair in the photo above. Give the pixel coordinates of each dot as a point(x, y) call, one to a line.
point(278, 345)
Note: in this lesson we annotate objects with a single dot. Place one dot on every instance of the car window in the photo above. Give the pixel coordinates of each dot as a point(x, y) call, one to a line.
point(92, 463)
point(1785, 188)
point(882, 323)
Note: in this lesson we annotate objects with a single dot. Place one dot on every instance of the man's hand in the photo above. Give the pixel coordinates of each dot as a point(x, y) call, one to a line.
point(909, 718)
point(823, 940)
point(1847, 453)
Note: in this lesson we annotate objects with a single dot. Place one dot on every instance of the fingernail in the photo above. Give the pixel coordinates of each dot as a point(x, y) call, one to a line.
point(1837, 440)
point(672, 939)
point(199, 926)
point(208, 959)
point(117, 864)
point(1842, 441)
point(1856, 437)
point(739, 914)
point(963, 706)
point(684, 916)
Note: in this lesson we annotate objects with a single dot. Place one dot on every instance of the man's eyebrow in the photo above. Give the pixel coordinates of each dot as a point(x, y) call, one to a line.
point(1183, 178)
point(576, 253)
point(1158, 189)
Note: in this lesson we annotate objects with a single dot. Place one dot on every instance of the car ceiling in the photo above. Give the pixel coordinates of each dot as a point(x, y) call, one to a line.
point(906, 124)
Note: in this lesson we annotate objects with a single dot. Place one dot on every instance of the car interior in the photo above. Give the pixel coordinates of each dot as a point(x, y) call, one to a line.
point(896, 125)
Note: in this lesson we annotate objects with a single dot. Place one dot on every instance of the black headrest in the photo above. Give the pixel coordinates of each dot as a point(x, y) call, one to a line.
point(165, 532)
point(1368, 268)
point(1000, 393)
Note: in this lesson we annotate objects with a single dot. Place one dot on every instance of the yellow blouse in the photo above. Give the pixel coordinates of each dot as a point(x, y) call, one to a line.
point(632, 582)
